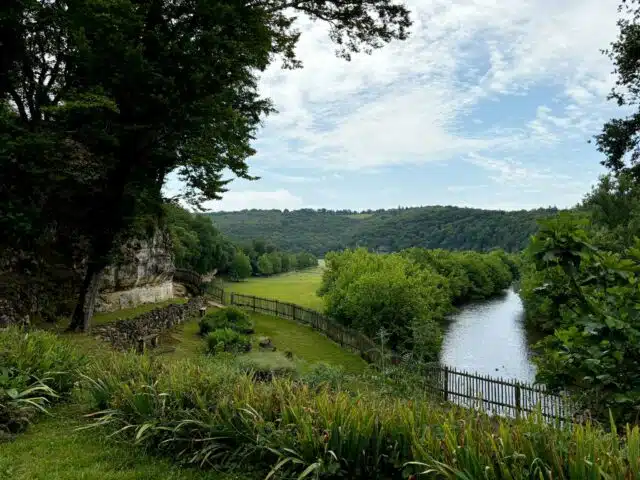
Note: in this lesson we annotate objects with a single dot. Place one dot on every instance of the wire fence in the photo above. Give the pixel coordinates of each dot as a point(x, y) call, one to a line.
point(493, 395)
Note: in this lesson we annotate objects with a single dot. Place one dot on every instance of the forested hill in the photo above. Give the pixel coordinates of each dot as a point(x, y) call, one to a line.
point(320, 231)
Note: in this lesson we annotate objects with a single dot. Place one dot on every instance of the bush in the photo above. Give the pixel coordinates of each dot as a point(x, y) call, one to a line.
point(227, 340)
point(324, 374)
point(42, 356)
point(209, 413)
point(370, 292)
point(36, 369)
point(266, 365)
point(230, 317)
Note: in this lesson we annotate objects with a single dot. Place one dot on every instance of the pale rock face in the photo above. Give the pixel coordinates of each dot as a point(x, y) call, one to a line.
point(143, 274)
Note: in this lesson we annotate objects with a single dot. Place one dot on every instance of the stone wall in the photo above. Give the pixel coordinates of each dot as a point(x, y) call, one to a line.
point(124, 334)
point(142, 273)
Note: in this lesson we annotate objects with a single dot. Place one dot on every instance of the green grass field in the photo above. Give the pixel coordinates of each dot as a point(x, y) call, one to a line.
point(294, 287)
point(305, 343)
point(54, 449)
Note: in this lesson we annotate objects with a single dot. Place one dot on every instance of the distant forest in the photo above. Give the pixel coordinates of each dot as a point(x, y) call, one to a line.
point(321, 231)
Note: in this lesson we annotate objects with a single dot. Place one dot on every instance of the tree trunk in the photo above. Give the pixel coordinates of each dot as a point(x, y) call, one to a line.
point(81, 319)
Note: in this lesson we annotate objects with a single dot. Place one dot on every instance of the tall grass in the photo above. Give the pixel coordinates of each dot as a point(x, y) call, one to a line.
point(36, 369)
point(208, 412)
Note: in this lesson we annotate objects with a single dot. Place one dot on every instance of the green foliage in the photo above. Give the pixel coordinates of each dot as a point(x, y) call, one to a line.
point(240, 267)
point(211, 414)
point(405, 295)
point(322, 231)
point(275, 259)
point(227, 340)
point(323, 374)
point(265, 267)
point(197, 245)
point(266, 365)
point(619, 137)
point(36, 369)
point(229, 317)
point(594, 349)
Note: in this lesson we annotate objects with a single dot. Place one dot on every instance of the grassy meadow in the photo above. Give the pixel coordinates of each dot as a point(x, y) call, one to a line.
point(55, 448)
point(306, 343)
point(293, 287)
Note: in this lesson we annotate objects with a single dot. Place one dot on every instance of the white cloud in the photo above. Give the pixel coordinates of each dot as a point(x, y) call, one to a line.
point(407, 102)
point(278, 199)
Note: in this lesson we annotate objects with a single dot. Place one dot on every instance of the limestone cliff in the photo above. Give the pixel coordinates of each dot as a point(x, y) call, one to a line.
point(142, 274)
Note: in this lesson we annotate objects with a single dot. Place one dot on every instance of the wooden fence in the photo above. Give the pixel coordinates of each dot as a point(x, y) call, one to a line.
point(493, 395)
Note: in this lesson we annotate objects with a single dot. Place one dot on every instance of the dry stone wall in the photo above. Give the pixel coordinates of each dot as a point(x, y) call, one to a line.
point(124, 334)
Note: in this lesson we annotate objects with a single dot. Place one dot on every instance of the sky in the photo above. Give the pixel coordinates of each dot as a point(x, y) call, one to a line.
point(488, 104)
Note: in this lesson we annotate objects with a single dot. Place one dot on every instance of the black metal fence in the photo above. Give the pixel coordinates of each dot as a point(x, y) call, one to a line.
point(496, 395)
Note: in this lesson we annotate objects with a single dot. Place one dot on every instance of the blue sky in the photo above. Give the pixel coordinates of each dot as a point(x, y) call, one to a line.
point(489, 104)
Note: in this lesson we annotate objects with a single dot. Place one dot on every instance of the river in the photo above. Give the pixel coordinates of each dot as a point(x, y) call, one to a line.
point(489, 337)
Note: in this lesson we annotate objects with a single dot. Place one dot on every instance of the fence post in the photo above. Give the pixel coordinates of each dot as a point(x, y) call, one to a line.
point(276, 308)
point(231, 302)
point(518, 406)
point(446, 384)
point(254, 303)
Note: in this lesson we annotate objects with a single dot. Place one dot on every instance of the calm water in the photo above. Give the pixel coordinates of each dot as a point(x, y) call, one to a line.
point(489, 338)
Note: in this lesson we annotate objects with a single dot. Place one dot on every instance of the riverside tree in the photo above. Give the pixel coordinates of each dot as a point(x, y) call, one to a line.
point(240, 267)
point(141, 88)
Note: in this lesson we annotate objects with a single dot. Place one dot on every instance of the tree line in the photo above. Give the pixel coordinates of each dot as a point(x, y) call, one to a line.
point(100, 101)
point(402, 297)
point(197, 245)
point(581, 270)
point(322, 231)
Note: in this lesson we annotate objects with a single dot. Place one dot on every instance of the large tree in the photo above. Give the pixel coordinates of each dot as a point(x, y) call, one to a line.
point(146, 87)
point(620, 137)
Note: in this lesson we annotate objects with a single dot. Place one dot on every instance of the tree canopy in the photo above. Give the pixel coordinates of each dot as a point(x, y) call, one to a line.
point(321, 231)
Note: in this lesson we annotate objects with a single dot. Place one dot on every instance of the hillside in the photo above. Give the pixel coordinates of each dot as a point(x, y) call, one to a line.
point(320, 231)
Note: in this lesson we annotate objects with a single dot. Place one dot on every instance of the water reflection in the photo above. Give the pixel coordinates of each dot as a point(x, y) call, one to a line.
point(489, 338)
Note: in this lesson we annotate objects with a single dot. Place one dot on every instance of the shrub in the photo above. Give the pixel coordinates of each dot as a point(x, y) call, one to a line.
point(227, 340)
point(42, 355)
point(20, 399)
point(230, 317)
point(36, 369)
point(324, 374)
point(266, 365)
